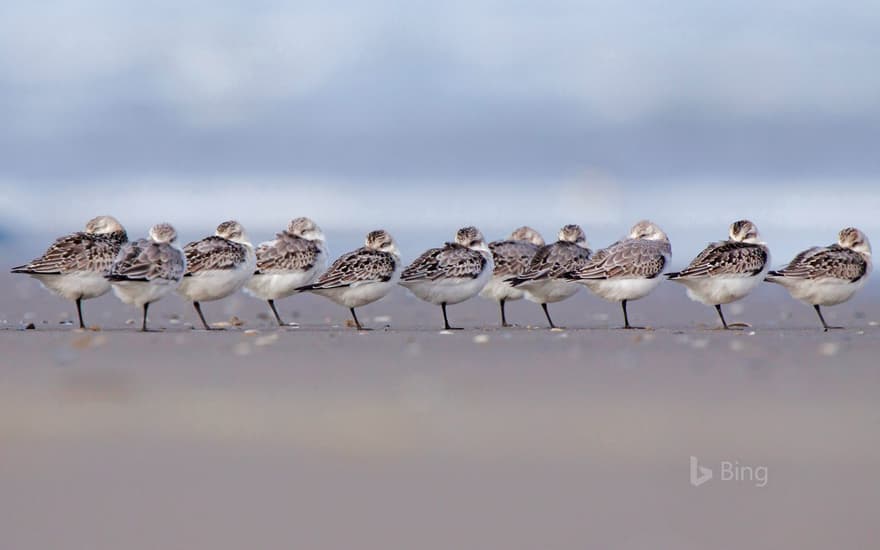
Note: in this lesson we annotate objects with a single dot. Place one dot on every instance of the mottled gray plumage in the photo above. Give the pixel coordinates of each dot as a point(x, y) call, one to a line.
point(451, 261)
point(287, 252)
point(79, 251)
point(145, 260)
point(821, 262)
point(360, 266)
point(554, 260)
point(726, 258)
point(213, 253)
point(512, 257)
point(640, 258)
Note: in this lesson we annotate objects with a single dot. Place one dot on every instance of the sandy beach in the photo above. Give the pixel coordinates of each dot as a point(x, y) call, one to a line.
point(407, 437)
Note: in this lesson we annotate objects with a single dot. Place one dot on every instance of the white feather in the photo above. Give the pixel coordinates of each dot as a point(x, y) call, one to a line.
point(216, 284)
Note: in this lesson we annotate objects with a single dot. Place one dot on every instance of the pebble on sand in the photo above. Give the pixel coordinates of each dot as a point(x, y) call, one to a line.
point(242, 349)
point(829, 348)
point(266, 340)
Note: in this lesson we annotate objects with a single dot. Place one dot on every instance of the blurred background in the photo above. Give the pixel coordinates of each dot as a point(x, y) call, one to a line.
point(422, 117)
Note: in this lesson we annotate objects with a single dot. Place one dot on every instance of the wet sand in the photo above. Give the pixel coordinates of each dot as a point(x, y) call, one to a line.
point(323, 437)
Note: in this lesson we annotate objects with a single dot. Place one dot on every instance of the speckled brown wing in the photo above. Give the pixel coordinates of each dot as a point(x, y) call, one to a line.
point(144, 260)
point(287, 253)
point(825, 262)
point(451, 261)
point(213, 253)
point(629, 258)
point(363, 265)
point(553, 261)
point(77, 252)
point(512, 257)
point(726, 258)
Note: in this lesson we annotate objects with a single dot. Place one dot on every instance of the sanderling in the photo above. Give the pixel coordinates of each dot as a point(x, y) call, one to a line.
point(147, 269)
point(362, 276)
point(544, 281)
point(295, 258)
point(74, 265)
point(628, 269)
point(726, 271)
point(512, 257)
point(217, 266)
point(451, 274)
point(828, 275)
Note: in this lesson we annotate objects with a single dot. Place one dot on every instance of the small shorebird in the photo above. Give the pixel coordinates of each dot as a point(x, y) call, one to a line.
point(295, 258)
point(726, 271)
point(362, 276)
point(74, 265)
point(451, 274)
point(828, 275)
point(511, 257)
point(543, 280)
point(148, 269)
point(628, 269)
point(217, 266)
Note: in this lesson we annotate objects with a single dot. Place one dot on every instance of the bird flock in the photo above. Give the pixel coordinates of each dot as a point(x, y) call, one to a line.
point(90, 263)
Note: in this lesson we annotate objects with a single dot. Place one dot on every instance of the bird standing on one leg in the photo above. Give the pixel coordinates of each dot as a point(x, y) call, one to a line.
point(544, 281)
point(217, 266)
point(295, 258)
point(74, 266)
point(628, 269)
point(452, 273)
point(827, 275)
point(147, 269)
point(726, 271)
point(512, 257)
point(362, 276)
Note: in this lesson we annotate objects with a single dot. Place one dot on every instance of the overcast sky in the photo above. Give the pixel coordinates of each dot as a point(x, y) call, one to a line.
point(410, 97)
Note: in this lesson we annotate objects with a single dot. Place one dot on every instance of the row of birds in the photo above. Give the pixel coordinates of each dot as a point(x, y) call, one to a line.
point(88, 264)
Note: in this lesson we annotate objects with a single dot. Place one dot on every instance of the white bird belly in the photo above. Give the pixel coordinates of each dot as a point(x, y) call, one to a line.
point(497, 289)
point(79, 284)
point(549, 291)
point(824, 292)
point(361, 294)
point(720, 290)
point(214, 284)
point(273, 286)
point(357, 295)
point(617, 290)
point(449, 291)
point(138, 293)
